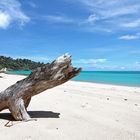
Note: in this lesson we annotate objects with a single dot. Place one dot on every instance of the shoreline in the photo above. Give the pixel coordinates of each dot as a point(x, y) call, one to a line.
point(105, 84)
point(102, 83)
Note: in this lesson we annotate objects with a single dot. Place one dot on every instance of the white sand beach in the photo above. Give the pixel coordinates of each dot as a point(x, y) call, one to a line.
point(77, 111)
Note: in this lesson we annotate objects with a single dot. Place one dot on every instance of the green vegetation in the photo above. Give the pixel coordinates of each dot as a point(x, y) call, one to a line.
point(18, 64)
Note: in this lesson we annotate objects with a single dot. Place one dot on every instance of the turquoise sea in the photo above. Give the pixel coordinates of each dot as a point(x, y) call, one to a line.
point(19, 72)
point(127, 78)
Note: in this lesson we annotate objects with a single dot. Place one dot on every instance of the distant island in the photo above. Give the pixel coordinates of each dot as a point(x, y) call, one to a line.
point(18, 64)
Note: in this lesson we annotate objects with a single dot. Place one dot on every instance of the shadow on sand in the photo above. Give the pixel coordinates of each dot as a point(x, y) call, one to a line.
point(33, 114)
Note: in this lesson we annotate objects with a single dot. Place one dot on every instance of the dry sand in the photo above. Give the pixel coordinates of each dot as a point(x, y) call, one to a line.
point(77, 111)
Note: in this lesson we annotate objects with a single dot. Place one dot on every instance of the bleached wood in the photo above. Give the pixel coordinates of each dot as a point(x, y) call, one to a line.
point(17, 97)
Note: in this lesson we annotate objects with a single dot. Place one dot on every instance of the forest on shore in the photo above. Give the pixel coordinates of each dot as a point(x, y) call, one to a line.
point(18, 64)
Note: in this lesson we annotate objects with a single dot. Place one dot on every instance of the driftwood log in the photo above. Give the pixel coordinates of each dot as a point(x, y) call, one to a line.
point(17, 97)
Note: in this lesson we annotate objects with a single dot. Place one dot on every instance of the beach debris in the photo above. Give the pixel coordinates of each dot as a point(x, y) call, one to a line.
point(83, 106)
point(86, 105)
point(17, 97)
point(136, 104)
point(125, 99)
point(9, 124)
point(3, 70)
point(107, 98)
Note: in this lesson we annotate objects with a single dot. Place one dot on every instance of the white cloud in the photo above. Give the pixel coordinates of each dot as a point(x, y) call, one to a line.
point(137, 63)
point(129, 37)
point(119, 11)
point(58, 19)
point(110, 15)
point(132, 24)
point(10, 11)
point(107, 68)
point(111, 8)
point(33, 58)
point(90, 61)
point(92, 18)
point(4, 20)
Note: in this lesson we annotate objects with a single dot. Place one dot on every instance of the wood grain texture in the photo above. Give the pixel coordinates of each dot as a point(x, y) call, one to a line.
point(17, 97)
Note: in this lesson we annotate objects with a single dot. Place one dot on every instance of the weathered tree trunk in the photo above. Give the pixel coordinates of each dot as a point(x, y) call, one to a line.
point(17, 97)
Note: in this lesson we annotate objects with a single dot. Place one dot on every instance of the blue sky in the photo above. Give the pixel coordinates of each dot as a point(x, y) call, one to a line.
point(100, 34)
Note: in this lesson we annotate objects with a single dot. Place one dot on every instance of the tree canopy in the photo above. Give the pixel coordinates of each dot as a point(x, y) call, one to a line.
point(18, 64)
